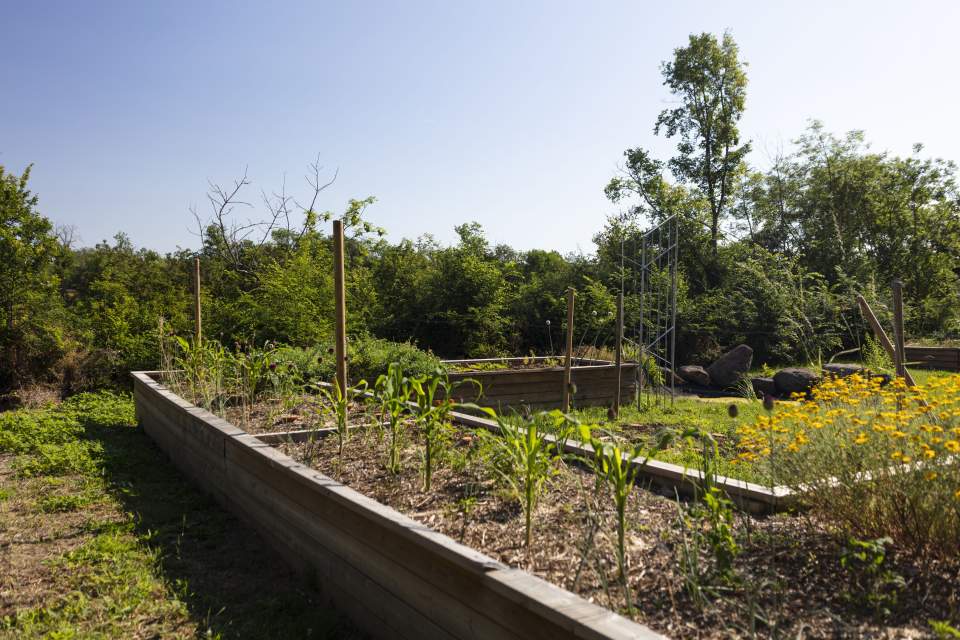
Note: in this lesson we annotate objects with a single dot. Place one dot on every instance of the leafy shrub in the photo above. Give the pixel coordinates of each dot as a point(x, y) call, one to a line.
point(371, 357)
point(875, 461)
point(368, 358)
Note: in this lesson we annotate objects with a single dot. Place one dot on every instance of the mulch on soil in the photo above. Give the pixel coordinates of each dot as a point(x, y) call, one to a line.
point(787, 581)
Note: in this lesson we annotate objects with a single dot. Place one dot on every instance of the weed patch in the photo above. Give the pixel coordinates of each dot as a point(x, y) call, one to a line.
point(103, 539)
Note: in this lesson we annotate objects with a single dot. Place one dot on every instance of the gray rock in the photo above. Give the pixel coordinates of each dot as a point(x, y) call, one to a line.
point(764, 387)
point(667, 374)
point(795, 380)
point(840, 370)
point(731, 366)
point(694, 375)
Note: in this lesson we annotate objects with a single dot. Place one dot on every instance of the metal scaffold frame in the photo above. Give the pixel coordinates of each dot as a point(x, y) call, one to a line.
point(648, 285)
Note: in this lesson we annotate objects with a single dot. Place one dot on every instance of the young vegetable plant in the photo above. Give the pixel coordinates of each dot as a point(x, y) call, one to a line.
point(338, 406)
point(392, 391)
point(526, 457)
point(205, 367)
point(618, 468)
point(434, 404)
point(716, 508)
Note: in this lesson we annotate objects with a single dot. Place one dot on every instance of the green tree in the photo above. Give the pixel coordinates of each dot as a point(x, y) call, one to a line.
point(710, 82)
point(31, 339)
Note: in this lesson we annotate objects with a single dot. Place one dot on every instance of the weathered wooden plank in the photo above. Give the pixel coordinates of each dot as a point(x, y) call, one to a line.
point(313, 536)
point(579, 621)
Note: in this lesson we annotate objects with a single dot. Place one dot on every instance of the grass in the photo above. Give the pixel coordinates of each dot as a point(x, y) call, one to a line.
point(641, 426)
point(102, 538)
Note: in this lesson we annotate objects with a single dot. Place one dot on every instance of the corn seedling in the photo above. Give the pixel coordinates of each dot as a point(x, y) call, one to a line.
point(337, 405)
point(434, 404)
point(202, 373)
point(618, 468)
point(525, 457)
point(392, 391)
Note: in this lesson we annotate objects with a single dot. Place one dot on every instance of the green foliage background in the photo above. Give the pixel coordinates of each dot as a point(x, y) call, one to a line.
point(771, 258)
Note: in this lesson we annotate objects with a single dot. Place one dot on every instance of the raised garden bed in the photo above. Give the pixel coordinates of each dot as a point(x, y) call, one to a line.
point(538, 382)
point(942, 358)
point(392, 575)
point(786, 569)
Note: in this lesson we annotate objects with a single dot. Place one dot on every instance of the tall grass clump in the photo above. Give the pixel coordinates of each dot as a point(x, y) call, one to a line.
point(875, 461)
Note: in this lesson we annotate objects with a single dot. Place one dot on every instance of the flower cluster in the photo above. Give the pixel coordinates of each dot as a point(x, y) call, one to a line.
point(906, 423)
point(876, 458)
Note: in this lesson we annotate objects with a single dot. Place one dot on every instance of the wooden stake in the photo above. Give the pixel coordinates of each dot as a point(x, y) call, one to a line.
point(898, 339)
point(198, 325)
point(567, 378)
point(881, 335)
point(619, 354)
point(340, 307)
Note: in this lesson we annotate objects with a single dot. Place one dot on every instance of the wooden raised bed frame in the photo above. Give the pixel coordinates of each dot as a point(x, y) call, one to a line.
point(944, 358)
point(542, 388)
point(395, 577)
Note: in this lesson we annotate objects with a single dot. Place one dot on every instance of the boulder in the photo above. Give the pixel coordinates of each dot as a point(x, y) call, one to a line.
point(763, 387)
point(731, 367)
point(667, 374)
point(795, 380)
point(840, 370)
point(694, 375)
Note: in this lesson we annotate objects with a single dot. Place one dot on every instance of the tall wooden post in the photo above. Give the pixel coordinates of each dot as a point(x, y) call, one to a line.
point(881, 335)
point(899, 358)
point(340, 307)
point(567, 378)
point(619, 354)
point(197, 323)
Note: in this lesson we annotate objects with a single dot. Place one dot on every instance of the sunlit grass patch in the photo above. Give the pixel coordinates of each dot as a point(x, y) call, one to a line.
point(110, 542)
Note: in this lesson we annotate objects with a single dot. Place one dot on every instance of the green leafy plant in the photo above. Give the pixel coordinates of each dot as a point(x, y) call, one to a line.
point(715, 509)
point(618, 468)
point(523, 458)
point(871, 581)
point(201, 373)
point(337, 405)
point(392, 391)
point(434, 398)
point(944, 630)
point(875, 357)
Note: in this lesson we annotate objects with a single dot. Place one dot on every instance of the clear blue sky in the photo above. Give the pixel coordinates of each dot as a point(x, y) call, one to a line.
point(513, 114)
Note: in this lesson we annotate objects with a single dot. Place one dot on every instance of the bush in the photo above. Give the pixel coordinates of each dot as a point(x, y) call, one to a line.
point(28, 431)
point(874, 461)
point(368, 358)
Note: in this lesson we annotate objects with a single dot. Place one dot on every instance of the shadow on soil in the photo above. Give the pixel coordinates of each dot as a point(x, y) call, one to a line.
point(232, 584)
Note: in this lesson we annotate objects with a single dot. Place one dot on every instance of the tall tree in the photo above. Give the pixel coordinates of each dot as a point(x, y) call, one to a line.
point(710, 82)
